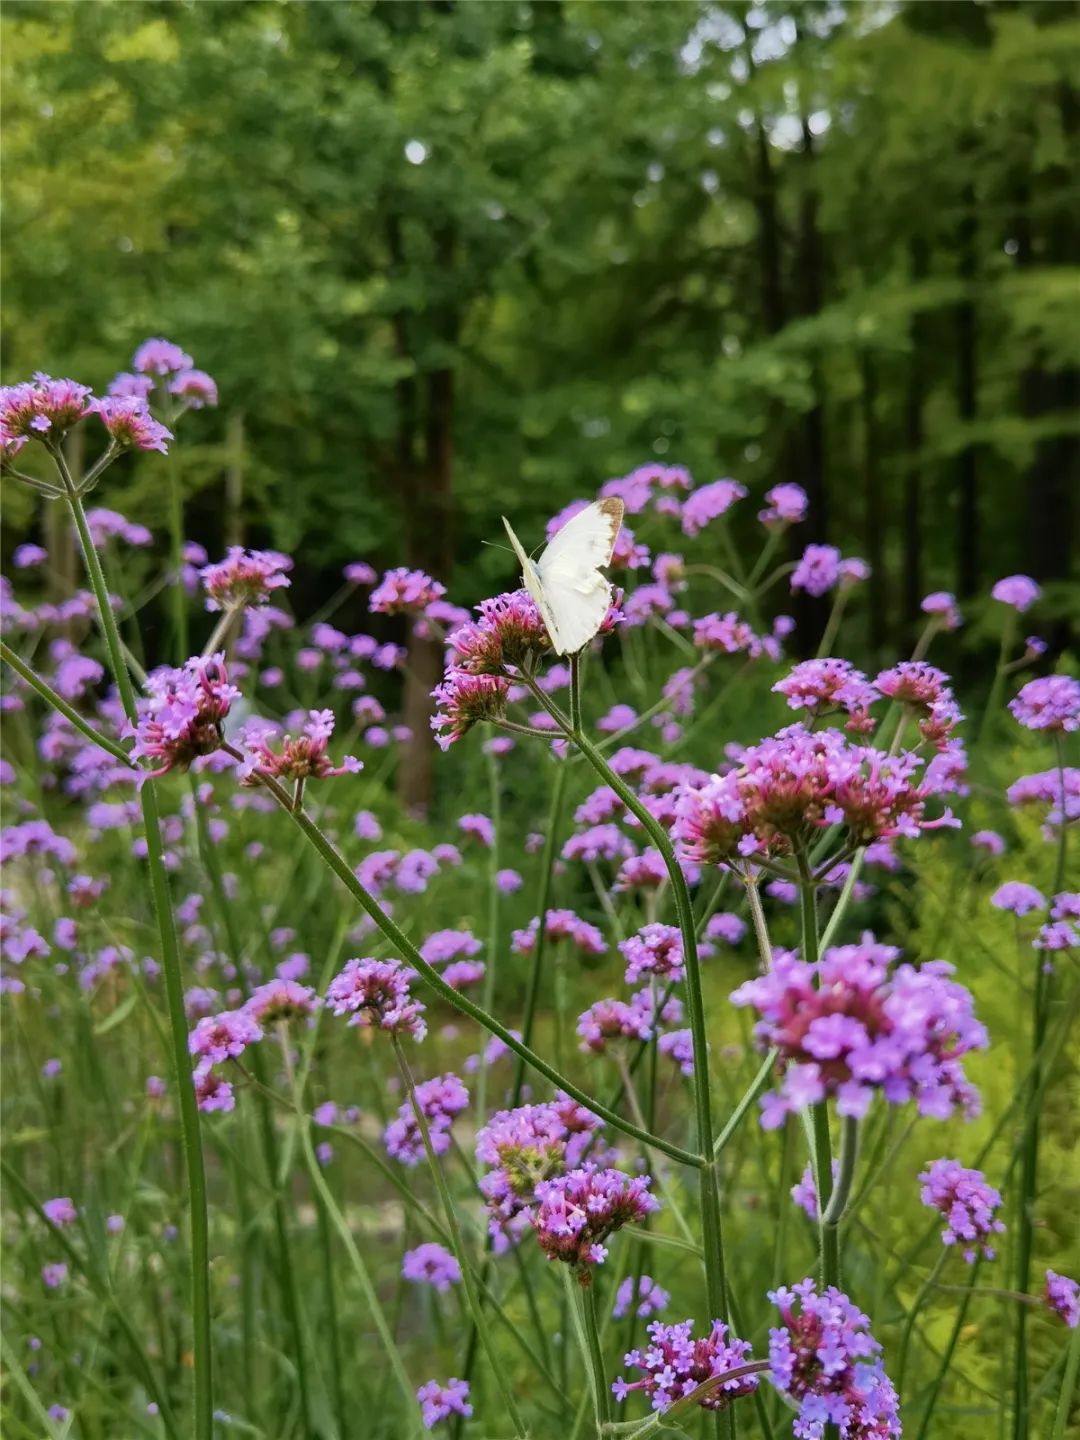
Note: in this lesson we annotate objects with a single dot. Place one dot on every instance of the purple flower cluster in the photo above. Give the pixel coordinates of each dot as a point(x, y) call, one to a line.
point(439, 1402)
point(376, 994)
point(1018, 897)
point(431, 1264)
point(644, 1299)
point(821, 686)
point(824, 1358)
point(968, 1204)
point(300, 757)
point(522, 1147)
point(404, 591)
point(35, 408)
point(562, 925)
point(655, 951)
point(795, 784)
point(786, 505)
point(1050, 703)
point(180, 718)
point(244, 578)
point(924, 689)
point(804, 1192)
point(463, 700)
point(1017, 591)
point(607, 1020)
point(578, 1211)
point(1062, 1296)
point(674, 1364)
point(130, 423)
point(508, 635)
point(438, 1100)
point(822, 567)
point(1058, 790)
point(852, 1024)
point(708, 503)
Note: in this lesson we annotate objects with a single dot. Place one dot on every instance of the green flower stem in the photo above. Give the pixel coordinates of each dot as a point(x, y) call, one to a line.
point(849, 1153)
point(656, 1424)
point(1068, 1387)
point(50, 696)
point(715, 1274)
point(536, 968)
point(174, 990)
point(404, 947)
point(494, 908)
point(457, 1244)
point(946, 1359)
point(371, 1299)
point(821, 1152)
point(596, 1355)
point(176, 551)
point(832, 625)
point(755, 1088)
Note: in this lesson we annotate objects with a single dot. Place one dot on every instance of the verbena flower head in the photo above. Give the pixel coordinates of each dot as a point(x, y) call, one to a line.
point(824, 1358)
point(301, 757)
point(130, 423)
point(404, 592)
point(280, 1000)
point(180, 718)
point(1059, 790)
point(1018, 898)
point(1049, 703)
point(38, 408)
point(823, 685)
point(795, 784)
point(522, 1147)
point(787, 505)
point(157, 356)
point(1062, 1296)
point(244, 577)
point(1018, 591)
point(645, 1299)
point(708, 503)
point(674, 1364)
point(439, 1402)
point(431, 1264)
point(195, 388)
point(678, 1046)
point(463, 700)
point(818, 570)
point(217, 1038)
point(942, 605)
point(732, 635)
point(212, 1091)
point(509, 634)
point(578, 1211)
point(608, 1020)
point(376, 994)
point(968, 1204)
point(562, 925)
point(804, 1192)
point(438, 1100)
point(852, 1024)
point(60, 1211)
point(656, 950)
point(925, 689)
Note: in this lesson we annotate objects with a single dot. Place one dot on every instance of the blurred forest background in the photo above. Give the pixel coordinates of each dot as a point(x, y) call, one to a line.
point(448, 258)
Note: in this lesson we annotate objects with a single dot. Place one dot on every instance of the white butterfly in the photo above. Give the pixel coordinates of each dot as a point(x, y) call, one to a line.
point(570, 593)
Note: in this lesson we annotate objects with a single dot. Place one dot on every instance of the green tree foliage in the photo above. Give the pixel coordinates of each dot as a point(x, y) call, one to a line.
point(453, 258)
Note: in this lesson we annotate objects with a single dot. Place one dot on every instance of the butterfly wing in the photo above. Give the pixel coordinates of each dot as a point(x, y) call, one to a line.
point(576, 594)
point(533, 583)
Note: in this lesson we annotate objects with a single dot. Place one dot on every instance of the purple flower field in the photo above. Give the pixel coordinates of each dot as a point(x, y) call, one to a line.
point(611, 1095)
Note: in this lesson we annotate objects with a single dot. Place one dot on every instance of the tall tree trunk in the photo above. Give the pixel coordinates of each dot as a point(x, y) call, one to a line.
point(873, 507)
point(1053, 479)
point(913, 444)
point(967, 499)
point(429, 543)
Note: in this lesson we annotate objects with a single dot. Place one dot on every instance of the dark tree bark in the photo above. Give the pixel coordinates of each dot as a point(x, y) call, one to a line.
point(873, 506)
point(913, 444)
point(1053, 479)
point(967, 498)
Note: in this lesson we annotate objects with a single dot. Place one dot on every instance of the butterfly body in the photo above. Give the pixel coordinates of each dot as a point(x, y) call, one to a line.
point(573, 597)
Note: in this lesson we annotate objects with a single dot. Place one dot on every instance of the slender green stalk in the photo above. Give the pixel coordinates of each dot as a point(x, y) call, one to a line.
point(756, 1086)
point(601, 1393)
point(821, 1153)
point(494, 949)
point(849, 1152)
point(50, 696)
point(1068, 1387)
point(457, 1244)
point(176, 551)
point(946, 1359)
point(715, 1276)
point(174, 990)
point(536, 968)
point(404, 947)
